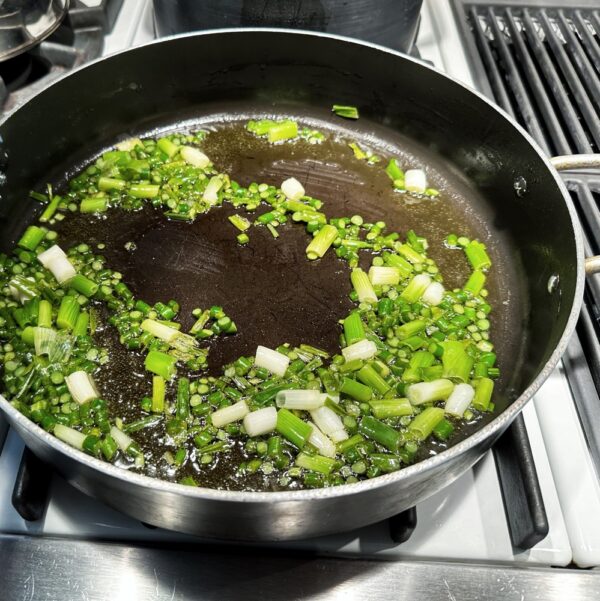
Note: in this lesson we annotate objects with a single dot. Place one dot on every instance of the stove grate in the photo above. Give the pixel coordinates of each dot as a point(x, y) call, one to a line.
point(541, 64)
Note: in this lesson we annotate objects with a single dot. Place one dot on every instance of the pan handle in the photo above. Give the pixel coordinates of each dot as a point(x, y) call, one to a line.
point(580, 161)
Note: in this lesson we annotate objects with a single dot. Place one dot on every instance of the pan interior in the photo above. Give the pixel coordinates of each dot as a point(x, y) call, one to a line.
point(268, 287)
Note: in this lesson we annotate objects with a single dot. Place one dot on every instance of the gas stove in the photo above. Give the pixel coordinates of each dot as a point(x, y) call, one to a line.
point(532, 503)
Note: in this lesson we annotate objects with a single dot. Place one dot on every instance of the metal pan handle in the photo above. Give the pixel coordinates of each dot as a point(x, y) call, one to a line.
point(580, 161)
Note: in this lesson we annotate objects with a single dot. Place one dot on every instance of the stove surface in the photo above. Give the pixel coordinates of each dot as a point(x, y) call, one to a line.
point(464, 525)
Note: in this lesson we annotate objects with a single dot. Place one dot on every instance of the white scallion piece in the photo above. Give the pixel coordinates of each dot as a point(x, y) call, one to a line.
point(322, 443)
point(227, 415)
point(82, 387)
point(434, 294)
point(362, 285)
point(123, 440)
point(329, 423)
point(292, 189)
point(261, 421)
point(194, 157)
point(427, 392)
point(277, 363)
point(363, 349)
point(339, 435)
point(129, 144)
point(381, 275)
point(160, 330)
point(303, 400)
point(211, 191)
point(70, 436)
point(460, 399)
point(62, 269)
point(55, 260)
point(415, 180)
point(54, 252)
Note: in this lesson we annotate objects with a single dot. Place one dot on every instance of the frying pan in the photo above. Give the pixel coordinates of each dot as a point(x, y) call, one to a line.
point(497, 183)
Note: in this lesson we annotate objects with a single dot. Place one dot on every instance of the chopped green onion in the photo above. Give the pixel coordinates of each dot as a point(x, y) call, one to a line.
point(321, 242)
point(282, 130)
point(182, 407)
point(83, 285)
point(81, 325)
point(293, 428)
point(384, 276)
point(386, 408)
point(94, 204)
point(294, 191)
point(416, 288)
point(329, 422)
point(443, 430)
point(167, 146)
point(477, 255)
point(158, 394)
point(354, 330)
point(82, 387)
point(348, 112)
point(315, 463)
point(45, 314)
point(475, 283)
point(362, 286)
point(260, 422)
point(382, 433)
point(277, 363)
point(32, 237)
point(483, 394)
point(106, 184)
point(356, 390)
point(393, 170)
point(424, 423)
point(303, 400)
point(457, 363)
point(229, 414)
point(241, 223)
point(69, 435)
point(160, 364)
point(144, 190)
point(361, 350)
point(369, 377)
point(428, 392)
point(67, 313)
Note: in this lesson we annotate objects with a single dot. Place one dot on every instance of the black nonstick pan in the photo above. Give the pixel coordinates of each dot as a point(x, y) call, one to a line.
point(496, 184)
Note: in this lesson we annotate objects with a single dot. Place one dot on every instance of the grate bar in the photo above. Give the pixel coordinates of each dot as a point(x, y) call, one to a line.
point(496, 82)
point(581, 61)
point(521, 96)
point(561, 144)
point(562, 99)
point(586, 203)
point(573, 81)
point(590, 42)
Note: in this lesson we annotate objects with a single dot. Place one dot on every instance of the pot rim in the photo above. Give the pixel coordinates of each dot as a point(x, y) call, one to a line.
point(406, 473)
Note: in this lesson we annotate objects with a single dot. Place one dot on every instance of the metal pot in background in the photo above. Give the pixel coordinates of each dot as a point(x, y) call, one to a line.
point(391, 23)
point(25, 23)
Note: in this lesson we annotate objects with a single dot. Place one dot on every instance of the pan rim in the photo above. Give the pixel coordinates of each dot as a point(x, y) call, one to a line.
point(496, 426)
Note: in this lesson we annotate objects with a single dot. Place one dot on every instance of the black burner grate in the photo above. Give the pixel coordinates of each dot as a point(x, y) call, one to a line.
point(542, 65)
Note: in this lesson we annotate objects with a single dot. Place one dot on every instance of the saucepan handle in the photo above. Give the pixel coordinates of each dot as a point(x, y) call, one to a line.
point(580, 161)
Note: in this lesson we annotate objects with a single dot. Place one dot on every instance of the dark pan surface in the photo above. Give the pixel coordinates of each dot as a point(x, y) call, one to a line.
point(268, 287)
